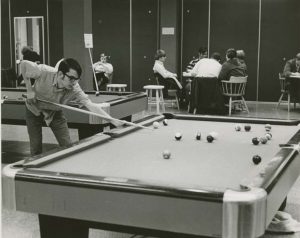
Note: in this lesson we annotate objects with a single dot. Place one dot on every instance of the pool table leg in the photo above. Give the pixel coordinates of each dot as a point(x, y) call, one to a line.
point(59, 227)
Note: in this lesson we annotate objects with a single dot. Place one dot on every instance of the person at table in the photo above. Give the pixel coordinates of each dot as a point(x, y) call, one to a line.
point(241, 56)
point(202, 53)
point(103, 71)
point(231, 67)
point(167, 79)
point(28, 54)
point(292, 69)
point(56, 86)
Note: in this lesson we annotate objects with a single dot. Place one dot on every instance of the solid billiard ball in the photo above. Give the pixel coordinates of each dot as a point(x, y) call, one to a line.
point(165, 122)
point(166, 154)
point(255, 141)
point(268, 127)
point(247, 127)
point(97, 93)
point(155, 124)
point(268, 136)
point(198, 136)
point(238, 127)
point(209, 138)
point(178, 136)
point(263, 140)
point(256, 159)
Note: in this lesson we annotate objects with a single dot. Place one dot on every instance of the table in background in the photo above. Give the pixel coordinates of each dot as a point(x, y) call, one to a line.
point(122, 105)
point(119, 181)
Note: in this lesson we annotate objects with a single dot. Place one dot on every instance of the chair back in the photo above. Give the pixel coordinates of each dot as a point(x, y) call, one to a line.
point(159, 79)
point(236, 86)
point(283, 83)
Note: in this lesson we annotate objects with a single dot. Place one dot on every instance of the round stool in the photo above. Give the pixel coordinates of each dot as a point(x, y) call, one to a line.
point(116, 87)
point(158, 100)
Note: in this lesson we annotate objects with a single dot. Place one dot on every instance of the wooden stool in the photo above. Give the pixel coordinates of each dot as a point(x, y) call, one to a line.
point(158, 99)
point(173, 93)
point(116, 87)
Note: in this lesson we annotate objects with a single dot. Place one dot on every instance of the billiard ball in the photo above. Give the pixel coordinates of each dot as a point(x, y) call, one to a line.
point(238, 127)
point(256, 159)
point(4, 97)
point(214, 134)
point(198, 136)
point(263, 140)
point(166, 154)
point(255, 141)
point(97, 93)
point(165, 122)
point(155, 124)
point(268, 136)
point(268, 127)
point(178, 136)
point(209, 138)
point(247, 127)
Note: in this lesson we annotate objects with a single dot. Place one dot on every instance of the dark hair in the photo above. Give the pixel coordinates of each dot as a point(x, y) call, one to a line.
point(202, 50)
point(159, 53)
point(216, 56)
point(240, 54)
point(69, 63)
point(26, 49)
point(231, 53)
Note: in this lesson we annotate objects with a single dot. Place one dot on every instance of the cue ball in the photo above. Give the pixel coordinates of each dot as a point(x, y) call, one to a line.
point(268, 127)
point(256, 159)
point(166, 154)
point(247, 127)
point(263, 140)
point(238, 127)
point(165, 122)
point(155, 124)
point(268, 136)
point(255, 141)
point(178, 136)
point(209, 138)
point(198, 136)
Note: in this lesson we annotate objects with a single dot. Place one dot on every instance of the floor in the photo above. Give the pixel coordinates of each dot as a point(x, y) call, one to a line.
point(15, 146)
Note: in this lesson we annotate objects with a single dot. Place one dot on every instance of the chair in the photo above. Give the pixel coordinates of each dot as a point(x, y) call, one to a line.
point(170, 92)
point(285, 92)
point(235, 90)
point(158, 100)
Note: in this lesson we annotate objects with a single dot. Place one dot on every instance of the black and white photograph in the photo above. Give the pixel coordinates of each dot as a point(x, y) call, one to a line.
point(150, 119)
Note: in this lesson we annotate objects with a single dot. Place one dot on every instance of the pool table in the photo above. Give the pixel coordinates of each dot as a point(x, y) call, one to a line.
point(120, 181)
point(120, 105)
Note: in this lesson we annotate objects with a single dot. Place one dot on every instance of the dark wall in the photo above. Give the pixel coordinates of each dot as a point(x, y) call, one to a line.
point(5, 38)
point(144, 41)
point(234, 24)
point(280, 41)
point(111, 34)
point(195, 28)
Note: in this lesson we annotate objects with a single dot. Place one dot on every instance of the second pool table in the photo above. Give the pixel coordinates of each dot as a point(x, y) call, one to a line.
point(120, 180)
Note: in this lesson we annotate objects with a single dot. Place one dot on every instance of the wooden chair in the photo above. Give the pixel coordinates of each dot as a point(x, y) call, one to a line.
point(285, 96)
point(235, 90)
point(171, 92)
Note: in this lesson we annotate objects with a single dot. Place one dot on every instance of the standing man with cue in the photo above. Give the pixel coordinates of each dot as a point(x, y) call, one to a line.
point(58, 86)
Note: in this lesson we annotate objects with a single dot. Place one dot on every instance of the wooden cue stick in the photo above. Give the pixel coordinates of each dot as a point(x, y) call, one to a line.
point(97, 88)
point(94, 114)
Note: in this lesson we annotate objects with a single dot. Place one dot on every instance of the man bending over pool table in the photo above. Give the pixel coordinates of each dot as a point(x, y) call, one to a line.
point(58, 86)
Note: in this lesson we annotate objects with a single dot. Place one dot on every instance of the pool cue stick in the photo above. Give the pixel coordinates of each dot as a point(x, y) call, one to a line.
point(92, 113)
point(97, 88)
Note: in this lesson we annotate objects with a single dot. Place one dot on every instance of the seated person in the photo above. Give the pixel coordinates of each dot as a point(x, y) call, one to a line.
point(202, 53)
point(169, 79)
point(292, 68)
point(240, 55)
point(231, 67)
point(103, 72)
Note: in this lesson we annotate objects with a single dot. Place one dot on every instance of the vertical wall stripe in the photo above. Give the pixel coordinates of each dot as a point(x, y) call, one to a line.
point(10, 38)
point(48, 32)
point(130, 44)
point(258, 49)
point(208, 30)
point(181, 38)
point(158, 25)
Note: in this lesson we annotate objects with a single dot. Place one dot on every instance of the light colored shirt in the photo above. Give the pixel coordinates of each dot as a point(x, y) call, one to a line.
point(206, 68)
point(160, 68)
point(46, 88)
point(100, 67)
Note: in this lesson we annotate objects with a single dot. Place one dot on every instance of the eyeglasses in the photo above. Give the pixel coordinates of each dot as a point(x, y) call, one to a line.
point(72, 79)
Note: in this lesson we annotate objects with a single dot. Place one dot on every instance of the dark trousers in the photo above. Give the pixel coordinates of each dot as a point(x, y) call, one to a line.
point(58, 126)
point(102, 81)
